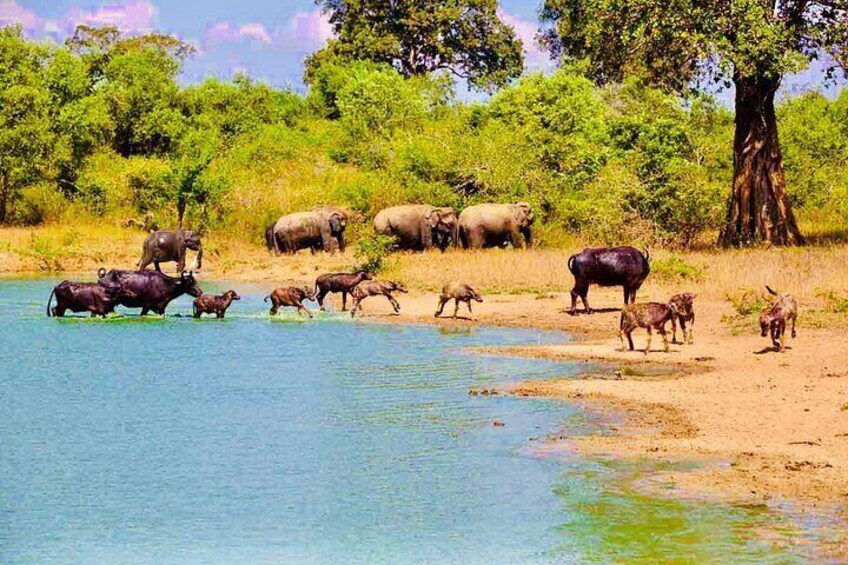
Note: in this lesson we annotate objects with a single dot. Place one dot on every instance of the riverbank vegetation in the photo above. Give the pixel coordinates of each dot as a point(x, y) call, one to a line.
point(100, 132)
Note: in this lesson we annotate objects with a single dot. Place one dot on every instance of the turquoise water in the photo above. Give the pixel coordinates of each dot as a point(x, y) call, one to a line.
point(171, 440)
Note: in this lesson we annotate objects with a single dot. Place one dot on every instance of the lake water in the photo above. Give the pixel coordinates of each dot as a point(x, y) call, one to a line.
point(252, 440)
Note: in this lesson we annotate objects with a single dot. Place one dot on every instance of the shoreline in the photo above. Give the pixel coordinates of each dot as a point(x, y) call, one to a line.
point(767, 427)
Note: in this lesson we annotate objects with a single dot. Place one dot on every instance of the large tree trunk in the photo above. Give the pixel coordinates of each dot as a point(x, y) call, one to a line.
point(4, 198)
point(759, 209)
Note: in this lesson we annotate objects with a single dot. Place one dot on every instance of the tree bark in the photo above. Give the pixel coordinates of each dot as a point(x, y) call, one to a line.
point(759, 209)
point(4, 198)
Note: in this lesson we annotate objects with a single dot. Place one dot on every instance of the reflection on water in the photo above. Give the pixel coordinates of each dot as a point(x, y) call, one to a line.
point(168, 440)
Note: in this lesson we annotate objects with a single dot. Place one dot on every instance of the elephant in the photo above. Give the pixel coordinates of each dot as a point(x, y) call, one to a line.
point(418, 226)
point(307, 230)
point(495, 225)
point(164, 245)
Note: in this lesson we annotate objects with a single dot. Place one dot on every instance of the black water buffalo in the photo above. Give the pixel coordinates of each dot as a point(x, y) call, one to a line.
point(148, 290)
point(170, 245)
point(607, 266)
point(82, 297)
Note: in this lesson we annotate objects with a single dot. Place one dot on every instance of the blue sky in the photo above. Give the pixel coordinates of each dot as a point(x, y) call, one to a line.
point(267, 39)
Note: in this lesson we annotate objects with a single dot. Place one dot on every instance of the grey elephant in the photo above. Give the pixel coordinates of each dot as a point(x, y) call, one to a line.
point(495, 225)
point(313, 230)
point(418, 226)
point(164, 245)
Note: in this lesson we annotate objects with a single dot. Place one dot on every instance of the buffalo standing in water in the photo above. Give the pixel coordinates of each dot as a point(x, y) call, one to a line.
point(148, 290)
point(82, 297)
point(607, 266)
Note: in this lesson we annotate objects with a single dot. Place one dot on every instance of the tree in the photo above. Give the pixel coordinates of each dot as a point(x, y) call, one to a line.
point(681, 44)
point(464, 37)
point(26, 140)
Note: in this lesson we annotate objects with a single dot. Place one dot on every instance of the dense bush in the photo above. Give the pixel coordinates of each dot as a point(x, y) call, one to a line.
point(109, 132)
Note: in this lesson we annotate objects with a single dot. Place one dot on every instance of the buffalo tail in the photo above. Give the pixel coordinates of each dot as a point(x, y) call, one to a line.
point(49, 300)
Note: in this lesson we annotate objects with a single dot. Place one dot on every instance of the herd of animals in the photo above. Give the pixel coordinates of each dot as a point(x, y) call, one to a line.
point(413, 227)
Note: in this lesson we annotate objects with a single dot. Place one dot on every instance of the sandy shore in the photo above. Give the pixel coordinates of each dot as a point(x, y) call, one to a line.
point(767, 425)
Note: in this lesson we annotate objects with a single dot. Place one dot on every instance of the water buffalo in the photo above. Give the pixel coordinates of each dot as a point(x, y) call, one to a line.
point(148, 290)
point(607, 266)
point(82, 297)
point(211, 304)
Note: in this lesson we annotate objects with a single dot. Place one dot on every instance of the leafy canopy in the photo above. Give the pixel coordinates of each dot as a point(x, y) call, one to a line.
point(464, 37)
point(675, 42)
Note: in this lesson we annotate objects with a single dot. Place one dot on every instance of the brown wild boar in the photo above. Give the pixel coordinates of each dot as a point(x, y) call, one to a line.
point(210, 304)
point(774, 319)
point(290, 296)
point(459, 292)
point(651, 316)
point(684, 308)
point(375, 288)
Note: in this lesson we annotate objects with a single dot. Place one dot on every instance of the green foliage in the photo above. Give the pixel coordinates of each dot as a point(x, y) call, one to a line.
point(465, 37)
point(102, 128)
point(372, 252)
point(834, 302)
point(747, 301)
point(378, 102)
point(675, 269)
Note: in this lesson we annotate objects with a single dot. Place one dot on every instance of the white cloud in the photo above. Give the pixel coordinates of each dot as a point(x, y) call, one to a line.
point(126, 15)
point(534, 58)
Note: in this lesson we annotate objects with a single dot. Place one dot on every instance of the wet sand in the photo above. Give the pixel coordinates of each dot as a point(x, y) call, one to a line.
point(768, 425)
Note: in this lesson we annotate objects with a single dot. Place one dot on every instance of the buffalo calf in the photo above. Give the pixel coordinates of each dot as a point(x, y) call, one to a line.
point(290, 296)
point(209, 304)
point(651, 316)
point(375, 288)
point(684, 308)
point(773, 320)
point(338, 282)
point(459, 292)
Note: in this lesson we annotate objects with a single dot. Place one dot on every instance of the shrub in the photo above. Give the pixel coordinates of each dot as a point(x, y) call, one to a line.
point(372, 252)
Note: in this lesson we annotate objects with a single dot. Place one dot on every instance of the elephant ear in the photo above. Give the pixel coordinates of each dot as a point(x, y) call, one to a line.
point(523, 213)
point(432, 218)
point(337, 222)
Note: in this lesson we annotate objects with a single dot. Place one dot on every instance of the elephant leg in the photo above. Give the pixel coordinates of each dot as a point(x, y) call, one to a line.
point(515, 239)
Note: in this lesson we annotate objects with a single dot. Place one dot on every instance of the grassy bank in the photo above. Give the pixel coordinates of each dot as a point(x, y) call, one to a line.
point(817, 274)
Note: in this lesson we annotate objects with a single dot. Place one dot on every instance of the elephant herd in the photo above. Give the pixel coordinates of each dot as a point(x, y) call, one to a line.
point(414, 227)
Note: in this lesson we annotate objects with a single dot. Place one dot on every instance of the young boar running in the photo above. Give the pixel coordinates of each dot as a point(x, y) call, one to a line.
point(210, 304)
point(684, 308)
point(459, 292)
point(338, 282)
point(651, 316)
point(774, 319)
point(375, 288)
point(290, 296)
